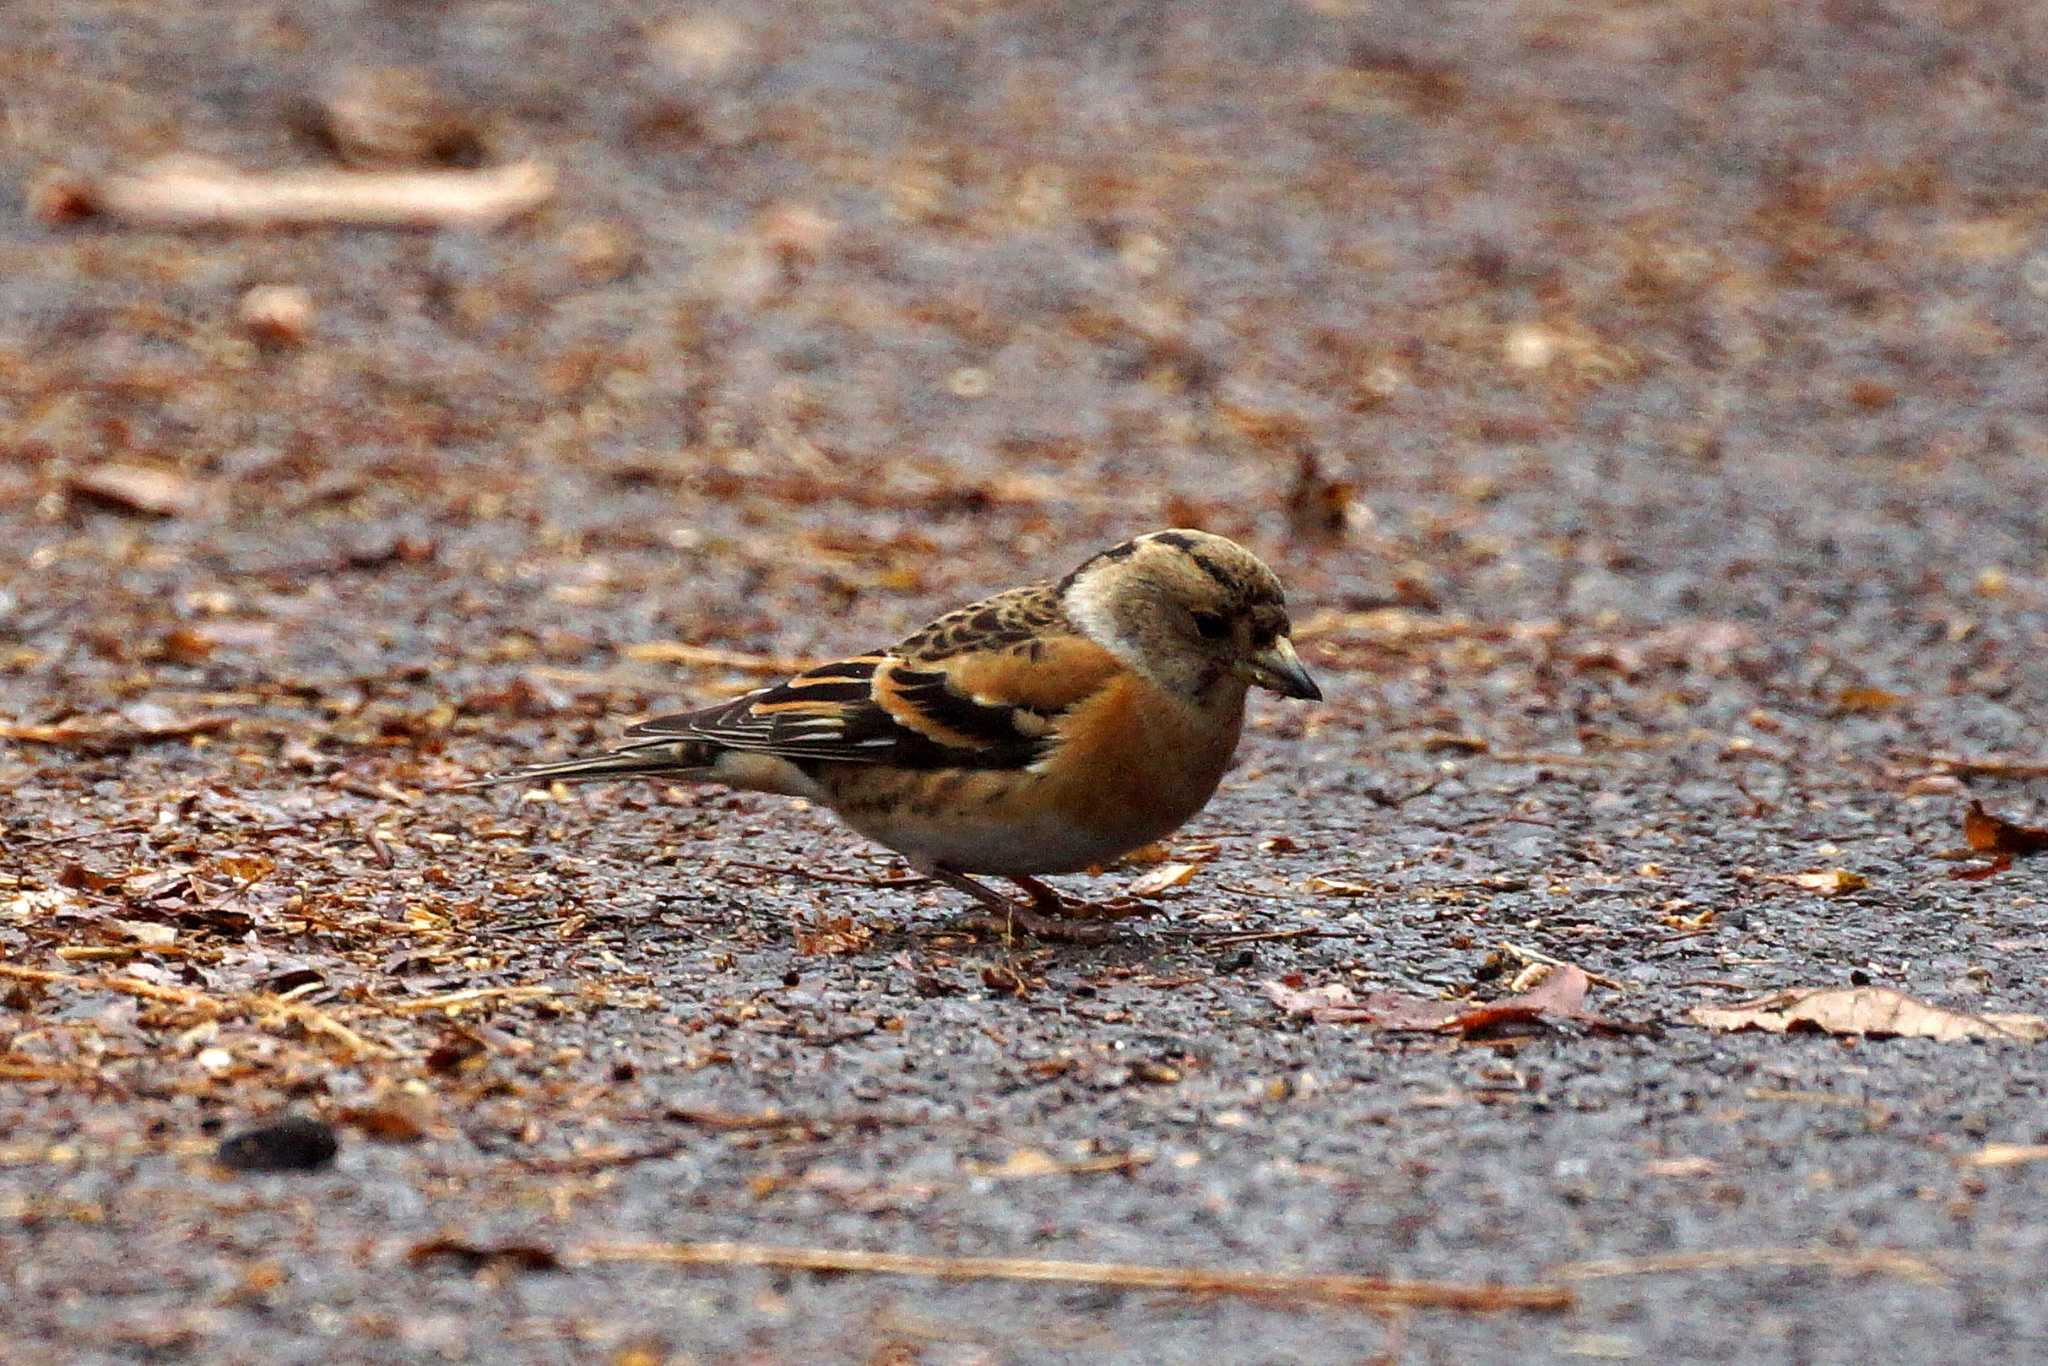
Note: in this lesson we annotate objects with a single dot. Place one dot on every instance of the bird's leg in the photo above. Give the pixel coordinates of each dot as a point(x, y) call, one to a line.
point(1049, 902)
point(1007, 915)
point(1043, 898)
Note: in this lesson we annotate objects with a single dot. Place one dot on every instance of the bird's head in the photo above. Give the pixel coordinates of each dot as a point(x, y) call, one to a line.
point(1198, 614)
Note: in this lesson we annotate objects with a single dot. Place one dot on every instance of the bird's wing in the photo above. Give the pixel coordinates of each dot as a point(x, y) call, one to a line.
point(979, 688)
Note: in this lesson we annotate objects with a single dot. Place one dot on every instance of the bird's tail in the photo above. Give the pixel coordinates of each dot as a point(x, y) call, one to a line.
point(677, 758)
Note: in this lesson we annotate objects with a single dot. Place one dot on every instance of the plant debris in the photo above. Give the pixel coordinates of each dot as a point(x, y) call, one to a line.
point(147, 489)
point(142, 723)
point(190, 193)
point(1876, 1012)
point(1999, 839)
point(1558, 995)
point(1331, 1288)
point(481, 1258)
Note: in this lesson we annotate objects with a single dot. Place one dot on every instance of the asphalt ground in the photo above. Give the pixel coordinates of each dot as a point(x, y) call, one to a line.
point(1642, 402)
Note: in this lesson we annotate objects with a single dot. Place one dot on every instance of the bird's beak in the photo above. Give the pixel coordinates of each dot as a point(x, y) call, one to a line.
point(1279, 668)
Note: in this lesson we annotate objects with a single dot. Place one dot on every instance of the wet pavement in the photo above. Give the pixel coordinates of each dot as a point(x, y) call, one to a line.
point(1642, 404)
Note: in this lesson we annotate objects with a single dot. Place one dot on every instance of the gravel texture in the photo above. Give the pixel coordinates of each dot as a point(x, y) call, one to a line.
point(1643, 403)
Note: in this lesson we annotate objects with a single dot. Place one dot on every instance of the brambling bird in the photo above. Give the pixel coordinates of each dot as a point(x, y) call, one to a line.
point(1048, 729)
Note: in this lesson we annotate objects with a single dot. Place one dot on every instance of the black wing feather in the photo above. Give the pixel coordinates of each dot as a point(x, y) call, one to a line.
point(830, 714)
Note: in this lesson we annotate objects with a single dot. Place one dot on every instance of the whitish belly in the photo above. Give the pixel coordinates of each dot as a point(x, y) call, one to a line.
point(1040, 844)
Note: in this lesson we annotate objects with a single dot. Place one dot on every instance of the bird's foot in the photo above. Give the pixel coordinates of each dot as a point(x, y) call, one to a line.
point(1020, 921)
point(1045, 916)
point(1046, 901)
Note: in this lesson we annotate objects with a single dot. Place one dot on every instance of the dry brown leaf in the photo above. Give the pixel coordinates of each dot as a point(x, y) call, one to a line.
point(246, 869)
point(1868, 699)
point(475, 1258)
point(1559, 995)
point(1030, 1162)
point(1163, 878)
point(1989, 834)
point(838, 934)
point(1875, 1012)
point(138, 488)
point(1999, 839)
point(136, 725)
point(392, 1118)
point(145, 932)
point(1825, 881)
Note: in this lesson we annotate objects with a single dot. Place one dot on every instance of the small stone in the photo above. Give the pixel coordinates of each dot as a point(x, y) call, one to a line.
point(296, 1144)
point(278, 315)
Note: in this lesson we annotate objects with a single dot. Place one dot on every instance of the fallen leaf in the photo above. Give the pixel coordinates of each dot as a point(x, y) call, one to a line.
point(1875, 1012)
point(1029, 1162)
point(1560, 995)
point(1989, 834)
point(1826, 881)
point(146, 932)
point(394, 1117)
point(139, 724)
point(458, 1049)
point(838, 934)
point(1868, 699)
point(137, 488)
point(475, 1257)
point(247, 869)
point(1163, 878)
point(1999, 839)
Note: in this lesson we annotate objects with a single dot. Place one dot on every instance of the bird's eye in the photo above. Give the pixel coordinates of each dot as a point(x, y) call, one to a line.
point(1211, 626)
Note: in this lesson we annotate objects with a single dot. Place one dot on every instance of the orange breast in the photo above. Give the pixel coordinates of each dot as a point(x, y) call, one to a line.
point(1135, 764)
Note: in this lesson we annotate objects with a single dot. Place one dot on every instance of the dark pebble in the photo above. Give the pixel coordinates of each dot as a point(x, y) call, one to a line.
point(290, 1145)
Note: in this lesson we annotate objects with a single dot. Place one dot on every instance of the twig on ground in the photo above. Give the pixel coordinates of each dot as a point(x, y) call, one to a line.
point(1876, 1261)
point(1328, 1287)
point(455, 1000)
point(2006, 1154)
point(186, 194)
point(844, 879)
point(1977, 768)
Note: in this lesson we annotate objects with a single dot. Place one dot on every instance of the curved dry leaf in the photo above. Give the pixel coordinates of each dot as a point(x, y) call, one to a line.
point(1989, 834)
point(1876, 1012)
point(1825, 881)
point(1163, 878)
point(147, 489)
point(1560, 995)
